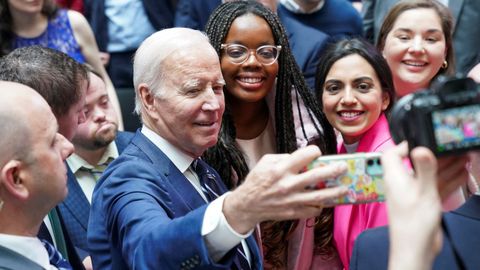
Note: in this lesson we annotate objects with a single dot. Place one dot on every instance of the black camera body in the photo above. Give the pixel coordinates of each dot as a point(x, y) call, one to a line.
point(445, 118)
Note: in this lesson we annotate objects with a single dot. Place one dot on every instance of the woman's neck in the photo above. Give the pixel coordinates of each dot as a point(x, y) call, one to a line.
point(405, 88)
point(250, 118)
point(28, 25)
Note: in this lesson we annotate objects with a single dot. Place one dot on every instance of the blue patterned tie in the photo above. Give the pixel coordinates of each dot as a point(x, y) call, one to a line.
point(210, 188)
point(55, 257)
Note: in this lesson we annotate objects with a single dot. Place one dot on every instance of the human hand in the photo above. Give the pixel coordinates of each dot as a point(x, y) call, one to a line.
point(87, 263)
point(276, 189)
point(474, 73)
point(104, 58)
point(414, 208)
point(474, 171)
point(452, 174)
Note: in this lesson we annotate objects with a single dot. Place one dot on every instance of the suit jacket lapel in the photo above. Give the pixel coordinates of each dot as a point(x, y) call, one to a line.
point(122, 140)
point(255, 253)
point(471, 208)
point(176, 179)
point(182, 186)
point(76, 201)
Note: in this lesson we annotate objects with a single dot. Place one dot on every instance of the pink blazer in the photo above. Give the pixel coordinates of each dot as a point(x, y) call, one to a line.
point(351, 220)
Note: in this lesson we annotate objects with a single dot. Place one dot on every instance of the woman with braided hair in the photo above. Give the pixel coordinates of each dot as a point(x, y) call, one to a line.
point(269, 109)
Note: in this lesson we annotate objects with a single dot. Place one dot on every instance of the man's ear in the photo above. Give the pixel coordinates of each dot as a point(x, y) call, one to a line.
point(13, 181)
point(148, 100)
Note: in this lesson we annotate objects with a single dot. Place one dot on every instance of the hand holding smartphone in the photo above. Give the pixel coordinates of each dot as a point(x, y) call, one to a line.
point(364, 177)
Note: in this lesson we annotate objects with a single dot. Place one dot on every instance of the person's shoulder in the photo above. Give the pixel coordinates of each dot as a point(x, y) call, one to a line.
point(371, 239)
point(343, 9)
point(371, 250)
point(292, 25)
point(77, 20)
point(124, 136)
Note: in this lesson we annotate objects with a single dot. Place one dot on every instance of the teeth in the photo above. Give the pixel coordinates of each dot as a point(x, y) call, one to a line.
point(416, 64)
point(350, 114)
point(251, 80)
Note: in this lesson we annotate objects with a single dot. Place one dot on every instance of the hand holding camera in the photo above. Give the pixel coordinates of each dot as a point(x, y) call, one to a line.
point(445, 118)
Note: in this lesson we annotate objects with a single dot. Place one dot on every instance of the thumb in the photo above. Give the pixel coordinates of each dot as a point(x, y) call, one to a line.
point(425, 166)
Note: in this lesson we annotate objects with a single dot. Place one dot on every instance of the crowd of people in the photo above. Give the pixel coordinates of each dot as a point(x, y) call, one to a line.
point(235, 99)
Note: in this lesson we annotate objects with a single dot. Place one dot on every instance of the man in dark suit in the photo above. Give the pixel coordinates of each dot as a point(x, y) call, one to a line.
point(32, 179)
point(466, 35)
point(96, 143)
point(336, 18)
point(158, 205)
point(414, 216)
point(460, 242)
point(62, 82)
point(119, 28)
point(306, 43)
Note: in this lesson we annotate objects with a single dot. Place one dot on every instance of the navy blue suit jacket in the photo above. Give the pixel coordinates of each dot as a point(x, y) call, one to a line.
point(337, 18)
point(75, 209)
point(463, 225)
point(194, 13)
point(147, 215)
point(307, 43)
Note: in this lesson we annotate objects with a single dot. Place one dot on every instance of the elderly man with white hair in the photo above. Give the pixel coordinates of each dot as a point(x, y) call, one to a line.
point(158, 205)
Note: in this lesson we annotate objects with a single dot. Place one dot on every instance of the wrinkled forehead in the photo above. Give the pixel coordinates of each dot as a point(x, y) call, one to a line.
point(200, 62)
point(96, 87)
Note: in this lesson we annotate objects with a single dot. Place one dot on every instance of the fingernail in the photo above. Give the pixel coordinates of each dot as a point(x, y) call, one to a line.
point(341, 166)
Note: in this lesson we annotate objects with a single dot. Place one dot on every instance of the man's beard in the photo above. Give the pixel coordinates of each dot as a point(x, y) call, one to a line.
point(98, 141)
point(103, 140)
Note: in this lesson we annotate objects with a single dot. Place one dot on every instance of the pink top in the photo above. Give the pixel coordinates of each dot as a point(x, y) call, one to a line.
point(351, 220)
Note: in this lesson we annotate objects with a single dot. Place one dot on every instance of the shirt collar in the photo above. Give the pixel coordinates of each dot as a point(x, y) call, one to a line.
point(75, 162)
point(29, 247)
point(181, 160)
point(295, 8)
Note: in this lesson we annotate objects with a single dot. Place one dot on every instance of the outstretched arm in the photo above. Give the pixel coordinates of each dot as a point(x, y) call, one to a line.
point(275, 189)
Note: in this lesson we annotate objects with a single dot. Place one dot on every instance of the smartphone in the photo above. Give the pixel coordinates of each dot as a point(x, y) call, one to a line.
point(364, 177)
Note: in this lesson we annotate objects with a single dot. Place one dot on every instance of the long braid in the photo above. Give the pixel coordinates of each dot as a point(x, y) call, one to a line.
point(227, 158)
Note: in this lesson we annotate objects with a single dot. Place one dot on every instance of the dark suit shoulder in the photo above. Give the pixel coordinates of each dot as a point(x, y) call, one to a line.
point(371, 250)
point(123, 139)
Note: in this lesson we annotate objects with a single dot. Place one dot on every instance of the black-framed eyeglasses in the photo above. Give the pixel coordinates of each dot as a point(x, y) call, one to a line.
point(238, 54)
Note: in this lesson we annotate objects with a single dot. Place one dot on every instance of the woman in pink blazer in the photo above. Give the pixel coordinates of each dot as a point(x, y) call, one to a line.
point(355, 86)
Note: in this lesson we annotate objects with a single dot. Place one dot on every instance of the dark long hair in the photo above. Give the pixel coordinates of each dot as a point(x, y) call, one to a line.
point(368, 52)
point(49, 9)
point(228, 159)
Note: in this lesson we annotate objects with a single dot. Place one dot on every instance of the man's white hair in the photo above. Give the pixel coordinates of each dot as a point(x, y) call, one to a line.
point(147, 64)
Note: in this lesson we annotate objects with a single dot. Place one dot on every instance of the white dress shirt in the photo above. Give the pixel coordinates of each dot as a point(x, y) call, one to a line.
point(85, 179)
point(29, 247)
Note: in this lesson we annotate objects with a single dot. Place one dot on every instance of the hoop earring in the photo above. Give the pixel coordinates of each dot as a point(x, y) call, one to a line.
point(445, 64)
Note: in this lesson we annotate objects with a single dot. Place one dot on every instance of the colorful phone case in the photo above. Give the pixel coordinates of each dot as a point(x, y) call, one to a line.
point(364, 177)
